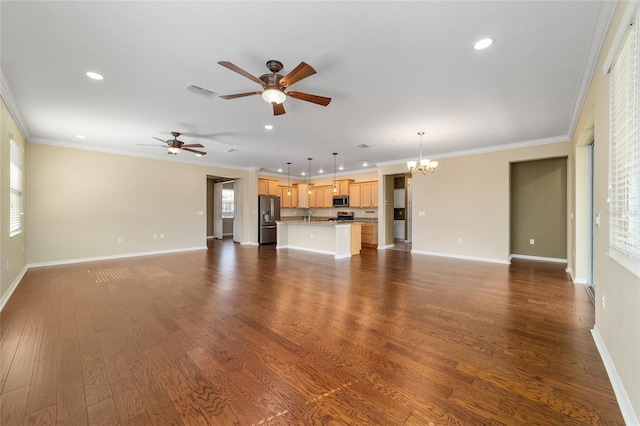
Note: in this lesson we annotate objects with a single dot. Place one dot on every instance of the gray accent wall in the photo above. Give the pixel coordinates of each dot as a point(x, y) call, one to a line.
point(539, 208)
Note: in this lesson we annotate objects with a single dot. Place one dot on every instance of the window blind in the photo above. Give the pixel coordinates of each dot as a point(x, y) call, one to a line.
point(624, 148)
point(15, 188)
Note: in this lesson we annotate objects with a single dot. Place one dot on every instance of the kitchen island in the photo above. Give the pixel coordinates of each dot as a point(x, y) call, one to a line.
point(338, 239)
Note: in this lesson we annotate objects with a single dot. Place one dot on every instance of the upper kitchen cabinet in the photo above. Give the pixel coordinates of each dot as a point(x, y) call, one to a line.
point(303, 197)
point(343, 187)
point(288, 200)
point(268, 187)
point(363, 194)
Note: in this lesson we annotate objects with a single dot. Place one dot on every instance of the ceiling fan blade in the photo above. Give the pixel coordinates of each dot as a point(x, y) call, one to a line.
point(303, 70)
point(239, 95)
point(192, 145)
point(320, 100)
point(151, 144)
point(242, 72)
point(278, 109)
point(161, 140)
point(194, 150)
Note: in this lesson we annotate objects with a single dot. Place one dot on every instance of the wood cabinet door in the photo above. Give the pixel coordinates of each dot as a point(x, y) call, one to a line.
point(273, 187)
point(343, 187)
point(294, 197)
point(328, 196)
point(263, 187)
point(303, 197)
point(365, 194)
point(285, 200)
point(354, 195)
point(374, 194)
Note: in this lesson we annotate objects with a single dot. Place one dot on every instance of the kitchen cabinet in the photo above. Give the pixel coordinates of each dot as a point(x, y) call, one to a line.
point(343, 187)
point(355, 195)
point(363, 194)
point(369, 236)
point(374, 194)
point(287, 201)
point(327, 195)
point(303, 196)
point(268, 187)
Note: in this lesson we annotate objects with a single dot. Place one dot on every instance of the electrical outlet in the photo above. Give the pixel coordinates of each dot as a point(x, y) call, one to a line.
point(155, 236)
point(162, 236)
point(532, 241)
point(459, 241)
point(120, 240)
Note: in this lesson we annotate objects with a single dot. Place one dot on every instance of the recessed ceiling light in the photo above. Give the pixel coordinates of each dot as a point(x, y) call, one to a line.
point(268, 127)
point(365, 163)
point(483, 44)
point(280, 170)
point(341, 168)
point(302, 173)
point(81, 136)
point(320, 171)
point(95, 75)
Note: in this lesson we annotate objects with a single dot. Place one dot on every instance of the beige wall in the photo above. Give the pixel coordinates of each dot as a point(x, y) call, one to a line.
point(467, 200)
point(539, 208)
point(13, 259)
point(81, 202)
point(618, 322)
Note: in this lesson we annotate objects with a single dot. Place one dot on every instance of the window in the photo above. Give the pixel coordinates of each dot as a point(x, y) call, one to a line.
point(227, 203)
point(624, 148)
point(15, 188)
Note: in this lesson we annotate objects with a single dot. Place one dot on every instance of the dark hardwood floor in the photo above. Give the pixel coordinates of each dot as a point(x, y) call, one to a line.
point(250, 335)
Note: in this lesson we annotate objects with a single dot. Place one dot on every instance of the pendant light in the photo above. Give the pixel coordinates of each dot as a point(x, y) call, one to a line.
point(335, 188)
point(288, 181)
point(309, 176)
point(424, 165)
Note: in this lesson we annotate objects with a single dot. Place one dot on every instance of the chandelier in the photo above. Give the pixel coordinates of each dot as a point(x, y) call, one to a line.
point(424, 165)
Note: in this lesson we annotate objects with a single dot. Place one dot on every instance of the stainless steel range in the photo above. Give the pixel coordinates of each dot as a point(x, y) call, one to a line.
point(343, 217)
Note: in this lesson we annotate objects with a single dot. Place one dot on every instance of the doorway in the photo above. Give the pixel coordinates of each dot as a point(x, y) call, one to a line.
point(221, 207)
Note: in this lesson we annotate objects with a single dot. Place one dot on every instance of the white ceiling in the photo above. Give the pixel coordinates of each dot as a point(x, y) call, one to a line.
point(391, 68)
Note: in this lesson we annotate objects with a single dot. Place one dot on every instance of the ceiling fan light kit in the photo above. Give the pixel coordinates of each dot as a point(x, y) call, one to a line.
point(274, 96)
point(274, 85)
point(175, 146)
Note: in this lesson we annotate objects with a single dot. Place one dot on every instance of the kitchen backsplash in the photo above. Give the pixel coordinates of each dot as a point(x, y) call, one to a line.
point(333, 212)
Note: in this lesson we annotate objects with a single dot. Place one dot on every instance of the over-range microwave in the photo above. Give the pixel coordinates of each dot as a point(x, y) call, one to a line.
point(342, 201)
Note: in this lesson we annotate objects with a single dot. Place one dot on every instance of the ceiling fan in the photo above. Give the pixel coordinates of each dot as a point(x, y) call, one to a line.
point(175, 146)
point(275, 84)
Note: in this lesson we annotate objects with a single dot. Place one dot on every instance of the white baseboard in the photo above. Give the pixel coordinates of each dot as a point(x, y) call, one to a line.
point(14, 285)
point(456, 256)
point(385, 247)
point(626, 408)
point(538, 258)
point(110, 257)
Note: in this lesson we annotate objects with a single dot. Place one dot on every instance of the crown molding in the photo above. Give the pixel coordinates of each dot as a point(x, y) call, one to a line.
point(7, 97)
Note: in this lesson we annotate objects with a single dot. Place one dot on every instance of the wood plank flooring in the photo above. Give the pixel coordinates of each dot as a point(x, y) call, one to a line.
point(254, 336)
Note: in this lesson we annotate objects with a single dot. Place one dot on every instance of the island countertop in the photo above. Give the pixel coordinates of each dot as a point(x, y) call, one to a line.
point(341, 239)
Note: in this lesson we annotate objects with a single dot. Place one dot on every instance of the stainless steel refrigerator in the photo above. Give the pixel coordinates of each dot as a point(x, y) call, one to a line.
point(269, 208)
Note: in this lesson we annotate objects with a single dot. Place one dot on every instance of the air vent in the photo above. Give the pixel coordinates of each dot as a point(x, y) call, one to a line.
point(363, 145)
point(231, 150)
point(199, 90)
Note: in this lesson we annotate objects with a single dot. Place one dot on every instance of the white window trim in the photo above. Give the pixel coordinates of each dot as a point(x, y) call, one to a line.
point(15, 145)
point(624, 152)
